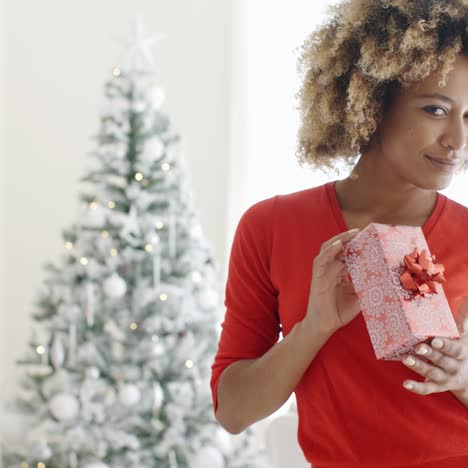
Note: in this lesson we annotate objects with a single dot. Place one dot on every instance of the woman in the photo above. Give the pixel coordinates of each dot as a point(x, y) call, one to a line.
point(386, 80)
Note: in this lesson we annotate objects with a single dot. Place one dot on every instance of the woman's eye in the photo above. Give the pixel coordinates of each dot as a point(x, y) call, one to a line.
point(434, 109)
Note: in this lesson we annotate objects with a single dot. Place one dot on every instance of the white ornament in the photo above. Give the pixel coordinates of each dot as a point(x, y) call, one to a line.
point(153, 150)
point(208, 456)
point(64, 406)
point(92, 373)
point(197, 277)
point(158, 397)
point(115, 287)
point(96, 465)
point(57, 353)
point(208, 297)
point(129, 395)
point(154, 239)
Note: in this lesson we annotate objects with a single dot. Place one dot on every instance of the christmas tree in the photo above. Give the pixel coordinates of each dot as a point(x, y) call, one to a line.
point(117, 370)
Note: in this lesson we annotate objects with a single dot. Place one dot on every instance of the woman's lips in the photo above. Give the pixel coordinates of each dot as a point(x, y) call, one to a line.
point(441, 166)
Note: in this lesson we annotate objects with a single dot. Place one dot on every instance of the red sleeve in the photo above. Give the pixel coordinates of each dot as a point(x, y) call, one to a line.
point(251, 323)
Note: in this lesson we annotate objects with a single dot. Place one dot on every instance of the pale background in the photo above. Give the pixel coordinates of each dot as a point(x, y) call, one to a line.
point(229, 72)
point(219, 65)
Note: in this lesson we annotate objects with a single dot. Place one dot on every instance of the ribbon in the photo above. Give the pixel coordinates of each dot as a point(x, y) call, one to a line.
point(421, 273)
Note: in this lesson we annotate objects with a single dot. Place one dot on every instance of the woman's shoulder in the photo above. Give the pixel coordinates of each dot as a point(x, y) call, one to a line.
point(303, 196)
point(296, 204)
point(457, 210)
point(287, 199)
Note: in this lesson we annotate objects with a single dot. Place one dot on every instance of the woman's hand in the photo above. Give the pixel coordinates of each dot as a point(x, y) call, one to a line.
point(332, 300)
point(447, 369)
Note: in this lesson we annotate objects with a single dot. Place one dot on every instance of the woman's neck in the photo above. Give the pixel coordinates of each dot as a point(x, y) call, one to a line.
point(373, 191)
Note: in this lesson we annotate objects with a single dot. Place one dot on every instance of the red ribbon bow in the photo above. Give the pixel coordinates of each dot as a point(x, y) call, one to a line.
point(421, 273)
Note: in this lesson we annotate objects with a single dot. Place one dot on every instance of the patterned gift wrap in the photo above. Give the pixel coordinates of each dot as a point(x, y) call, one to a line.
point(399, 289)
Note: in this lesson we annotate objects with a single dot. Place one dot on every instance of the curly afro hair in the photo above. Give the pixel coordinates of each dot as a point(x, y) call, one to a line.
point(353, 64)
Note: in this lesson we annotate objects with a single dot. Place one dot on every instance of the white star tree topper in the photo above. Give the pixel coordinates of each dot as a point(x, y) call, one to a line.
point(138, 54)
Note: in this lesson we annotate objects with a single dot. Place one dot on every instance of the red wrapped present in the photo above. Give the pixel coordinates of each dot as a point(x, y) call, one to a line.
point(400, 289)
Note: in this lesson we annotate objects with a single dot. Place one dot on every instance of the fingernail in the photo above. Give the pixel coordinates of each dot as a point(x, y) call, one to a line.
point(410, 361)
point(408, 385)
point(354, 230)
point(437, 343)
point(336, 242)
point(422, 350)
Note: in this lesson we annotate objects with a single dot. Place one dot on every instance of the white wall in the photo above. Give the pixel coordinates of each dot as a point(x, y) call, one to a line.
point(273, 30)
point(59, 54)
point(3, 316)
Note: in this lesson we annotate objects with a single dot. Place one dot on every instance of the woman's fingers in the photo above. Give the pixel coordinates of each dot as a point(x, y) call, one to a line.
point(343, 237)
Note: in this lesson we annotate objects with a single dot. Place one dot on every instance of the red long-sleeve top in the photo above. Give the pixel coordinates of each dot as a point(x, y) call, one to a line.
point(353, 410)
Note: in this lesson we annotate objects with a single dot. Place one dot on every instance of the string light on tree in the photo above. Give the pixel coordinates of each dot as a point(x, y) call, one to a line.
point(116, 71)
point(69, 245)
point(95, 215)
point(111, 205)
point(133, 326)
point(104, 234)
point(43, 351)
point(84, 261)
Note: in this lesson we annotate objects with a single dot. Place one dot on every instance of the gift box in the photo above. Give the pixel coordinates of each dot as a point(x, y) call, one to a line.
point(400, 289)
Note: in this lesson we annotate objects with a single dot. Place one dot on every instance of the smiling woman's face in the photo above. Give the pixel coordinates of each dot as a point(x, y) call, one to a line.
point(426, 121)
